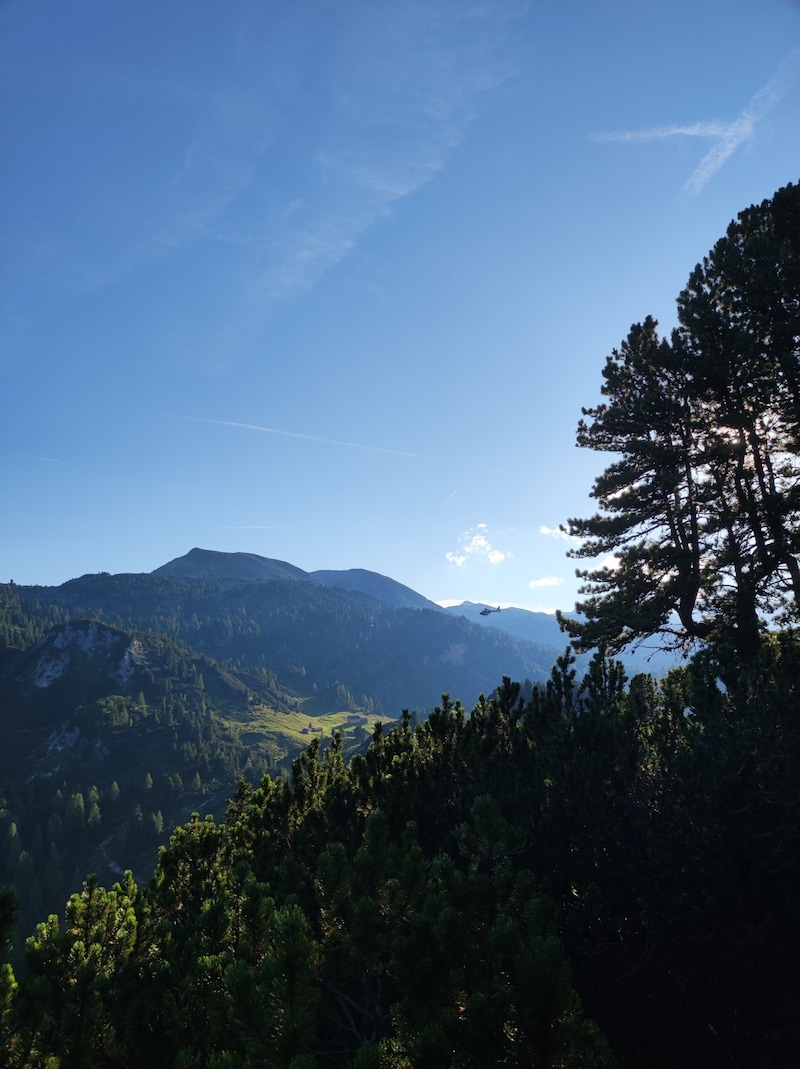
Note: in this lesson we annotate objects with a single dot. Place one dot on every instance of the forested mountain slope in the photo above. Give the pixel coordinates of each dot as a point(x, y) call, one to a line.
point(109, 740)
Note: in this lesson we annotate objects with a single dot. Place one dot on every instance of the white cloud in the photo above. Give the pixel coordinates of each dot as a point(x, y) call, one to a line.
point(546, 580)
point(458, 559)
point(475, 545)
point(559, 532)
point(727, 136)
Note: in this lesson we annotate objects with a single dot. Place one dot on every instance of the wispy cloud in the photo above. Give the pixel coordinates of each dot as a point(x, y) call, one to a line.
point(47, 460)
point(727, 136)
point(120, 225)
point(546, 580)
point(271, 168)
point(475, 545)
point(403, 92)
point(303, 437)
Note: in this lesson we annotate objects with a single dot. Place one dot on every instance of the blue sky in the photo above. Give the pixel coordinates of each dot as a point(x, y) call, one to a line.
point(330, 281)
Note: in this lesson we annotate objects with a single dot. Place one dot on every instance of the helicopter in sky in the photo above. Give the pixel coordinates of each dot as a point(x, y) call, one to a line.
point(487, 611)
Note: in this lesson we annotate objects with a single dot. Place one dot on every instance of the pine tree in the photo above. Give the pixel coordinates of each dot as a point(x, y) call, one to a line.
point(700, 515)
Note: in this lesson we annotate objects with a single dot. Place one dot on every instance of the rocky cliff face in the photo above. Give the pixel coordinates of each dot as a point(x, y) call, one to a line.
point(73, 643)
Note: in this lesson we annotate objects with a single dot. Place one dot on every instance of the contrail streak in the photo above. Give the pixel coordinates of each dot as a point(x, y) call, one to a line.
point(728, 136)
point(448, 498)
point(305, 437)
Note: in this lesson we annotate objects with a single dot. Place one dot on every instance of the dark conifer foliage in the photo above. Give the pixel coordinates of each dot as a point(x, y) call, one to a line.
point(475, 890)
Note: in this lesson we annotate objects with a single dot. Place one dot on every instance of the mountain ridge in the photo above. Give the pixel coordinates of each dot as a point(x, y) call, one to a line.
point(243, 567)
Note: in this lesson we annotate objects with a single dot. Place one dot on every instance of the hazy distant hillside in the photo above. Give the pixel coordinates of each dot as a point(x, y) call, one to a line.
point(542, 628)
point(389, 591)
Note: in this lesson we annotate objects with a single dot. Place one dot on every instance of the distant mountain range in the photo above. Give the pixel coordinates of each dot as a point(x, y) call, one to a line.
point(355, 639)
point(360, 638)
point(538, 628)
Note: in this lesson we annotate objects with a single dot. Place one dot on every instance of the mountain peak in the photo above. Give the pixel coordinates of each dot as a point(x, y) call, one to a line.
point(214, 564)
